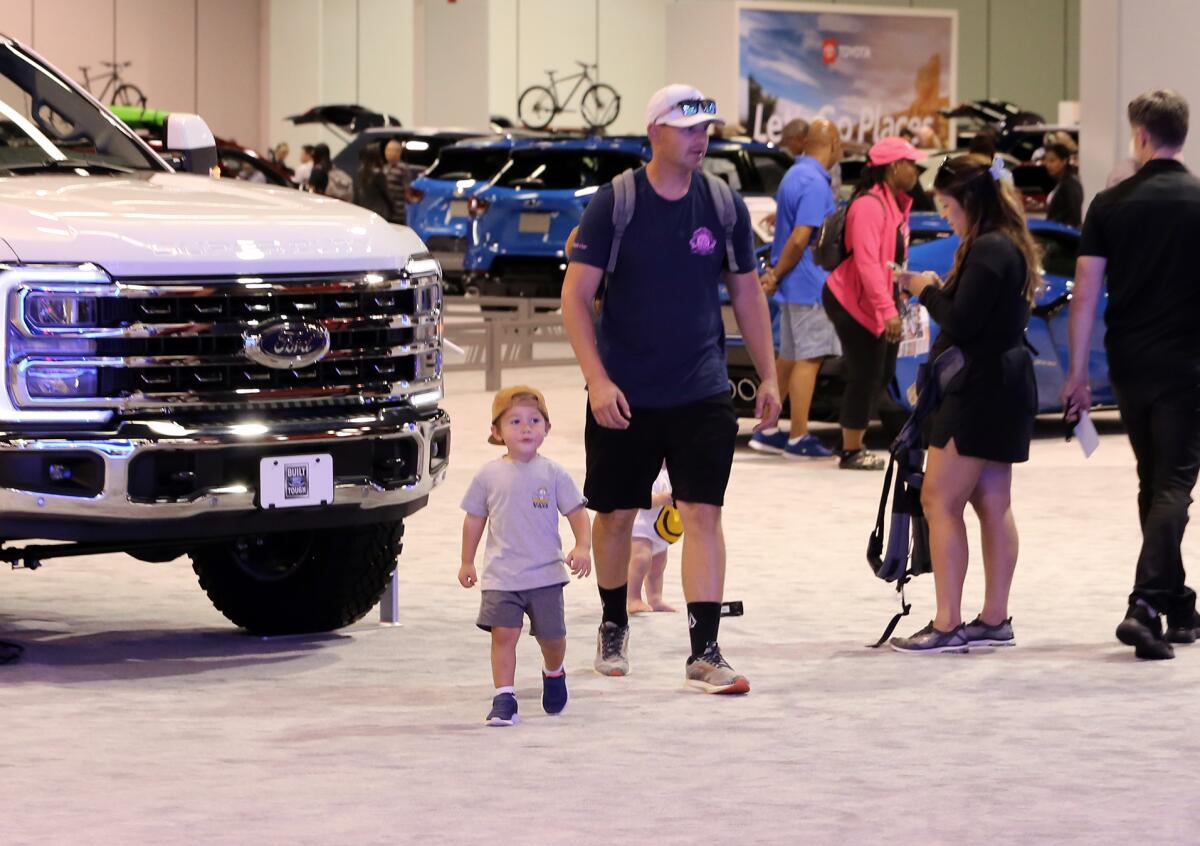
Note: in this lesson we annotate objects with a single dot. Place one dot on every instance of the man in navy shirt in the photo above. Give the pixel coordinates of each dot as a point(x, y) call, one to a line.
point(654, 363)
point(806, 335)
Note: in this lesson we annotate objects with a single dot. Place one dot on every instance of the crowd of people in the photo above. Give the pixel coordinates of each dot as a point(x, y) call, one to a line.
point(379, 185)
point(660, 427)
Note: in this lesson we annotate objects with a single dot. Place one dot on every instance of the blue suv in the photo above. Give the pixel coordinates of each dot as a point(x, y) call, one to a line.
point(521, 219)
point(437, 200)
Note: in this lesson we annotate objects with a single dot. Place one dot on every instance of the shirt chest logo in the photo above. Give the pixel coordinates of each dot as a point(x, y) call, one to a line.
point(541, 498)
point(703, 242)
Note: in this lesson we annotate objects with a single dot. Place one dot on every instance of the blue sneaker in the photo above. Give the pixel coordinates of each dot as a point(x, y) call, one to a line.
point(504, 710)
point(769, 443)
point(807, 447)
point(554, 692)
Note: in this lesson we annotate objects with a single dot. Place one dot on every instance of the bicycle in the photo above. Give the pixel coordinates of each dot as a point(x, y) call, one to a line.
point(123, 93)
point(599, 104)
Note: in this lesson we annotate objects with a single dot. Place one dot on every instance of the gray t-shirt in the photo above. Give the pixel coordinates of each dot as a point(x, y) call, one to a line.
point(522, 503)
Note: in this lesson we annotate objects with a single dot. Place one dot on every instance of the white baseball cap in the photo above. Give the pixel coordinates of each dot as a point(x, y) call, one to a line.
point(681, 106)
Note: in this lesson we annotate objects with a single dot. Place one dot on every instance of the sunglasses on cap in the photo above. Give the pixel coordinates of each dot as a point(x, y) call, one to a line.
point(687, 108)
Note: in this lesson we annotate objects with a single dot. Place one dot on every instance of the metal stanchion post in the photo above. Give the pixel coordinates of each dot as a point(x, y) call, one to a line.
point(389, 603)
point(493, 364)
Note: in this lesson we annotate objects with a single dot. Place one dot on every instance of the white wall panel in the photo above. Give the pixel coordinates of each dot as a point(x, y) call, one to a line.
point(159, 37)
point(294, 69)
point(633, 58)
point(386, 39)
point(455, 64)
point(503, 89)
point(70, 33)
point(16, 19)
point(227, 90)
point(339, 51)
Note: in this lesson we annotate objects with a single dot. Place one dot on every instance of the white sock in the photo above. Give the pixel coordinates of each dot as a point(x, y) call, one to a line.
point(794, 441)
point(508, 688)
point(555, 673)
point(769, 432)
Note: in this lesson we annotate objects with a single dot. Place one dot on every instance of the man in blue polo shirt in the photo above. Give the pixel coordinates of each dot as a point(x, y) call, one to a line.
point(806, 336)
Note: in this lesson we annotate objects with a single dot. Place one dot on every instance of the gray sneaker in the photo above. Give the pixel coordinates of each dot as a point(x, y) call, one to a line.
point(931, 640)
point(612, 650)
point(980, 633)
point(711, 673)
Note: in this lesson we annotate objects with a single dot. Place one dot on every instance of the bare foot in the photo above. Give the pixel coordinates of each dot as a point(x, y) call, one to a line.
point(657, 604)
point(636, 606)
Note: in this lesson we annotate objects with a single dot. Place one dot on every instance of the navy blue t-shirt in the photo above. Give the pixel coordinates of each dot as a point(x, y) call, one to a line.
point(660, 334)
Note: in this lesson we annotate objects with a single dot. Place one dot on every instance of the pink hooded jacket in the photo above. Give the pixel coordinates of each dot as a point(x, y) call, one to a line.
point(863, 283)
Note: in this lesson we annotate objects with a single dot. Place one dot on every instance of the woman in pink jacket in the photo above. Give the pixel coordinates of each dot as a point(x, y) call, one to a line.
point(860, 296)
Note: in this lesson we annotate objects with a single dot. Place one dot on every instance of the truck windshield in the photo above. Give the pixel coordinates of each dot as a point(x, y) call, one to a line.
point(47, 126)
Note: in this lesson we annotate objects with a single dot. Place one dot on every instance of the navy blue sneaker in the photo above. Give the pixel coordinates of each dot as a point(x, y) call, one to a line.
point(807, 447)
point(554, 692)
point(504, 710)
point(775, 443)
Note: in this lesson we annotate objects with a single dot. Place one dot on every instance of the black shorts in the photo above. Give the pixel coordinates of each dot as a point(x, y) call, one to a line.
point(696, 440)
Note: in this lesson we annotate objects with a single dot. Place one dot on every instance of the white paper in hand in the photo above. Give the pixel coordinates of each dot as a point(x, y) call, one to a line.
point(1086, 434)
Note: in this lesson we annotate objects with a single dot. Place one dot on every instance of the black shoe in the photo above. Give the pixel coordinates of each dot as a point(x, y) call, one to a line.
point(1187, 631)
point(1142, 629)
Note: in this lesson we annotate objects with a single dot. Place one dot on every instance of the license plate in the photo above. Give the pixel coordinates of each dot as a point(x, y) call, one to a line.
point(533, 223)
point(288, 481)
point(458, 208)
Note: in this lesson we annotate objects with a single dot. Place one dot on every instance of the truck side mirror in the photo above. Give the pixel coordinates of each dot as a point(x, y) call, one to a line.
point(190, 138)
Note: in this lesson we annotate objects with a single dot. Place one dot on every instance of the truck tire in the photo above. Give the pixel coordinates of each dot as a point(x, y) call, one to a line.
point(299, 582)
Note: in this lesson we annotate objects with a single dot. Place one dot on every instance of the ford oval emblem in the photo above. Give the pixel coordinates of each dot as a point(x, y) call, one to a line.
point(286, 344)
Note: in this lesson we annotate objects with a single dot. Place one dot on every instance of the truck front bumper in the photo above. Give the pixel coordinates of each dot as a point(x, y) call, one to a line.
point(164, 480)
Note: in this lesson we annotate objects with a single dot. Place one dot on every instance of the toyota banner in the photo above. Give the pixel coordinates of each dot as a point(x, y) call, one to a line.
point(873, 72)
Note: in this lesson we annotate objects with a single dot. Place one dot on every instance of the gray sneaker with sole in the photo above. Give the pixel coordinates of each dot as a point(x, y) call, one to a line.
point(711, 673)
point(612, 650)
point(931, 641)
point(980, 633)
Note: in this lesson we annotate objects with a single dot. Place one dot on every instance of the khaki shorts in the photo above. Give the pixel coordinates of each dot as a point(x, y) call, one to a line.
point(508, 608)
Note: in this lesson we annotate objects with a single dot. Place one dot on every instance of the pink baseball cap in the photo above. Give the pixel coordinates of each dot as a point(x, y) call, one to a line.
point(893, 149)
point(682, 106)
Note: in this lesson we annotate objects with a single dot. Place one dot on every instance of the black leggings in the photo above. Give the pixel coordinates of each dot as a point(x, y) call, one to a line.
point(870, 364)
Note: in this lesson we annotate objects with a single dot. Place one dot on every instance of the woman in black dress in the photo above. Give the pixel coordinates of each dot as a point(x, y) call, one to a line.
point(984, 422)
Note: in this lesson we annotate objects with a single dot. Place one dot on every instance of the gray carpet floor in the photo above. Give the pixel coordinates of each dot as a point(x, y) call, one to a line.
point(140, 716)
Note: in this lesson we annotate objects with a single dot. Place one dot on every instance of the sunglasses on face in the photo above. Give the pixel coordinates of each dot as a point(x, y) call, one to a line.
point(687, 108)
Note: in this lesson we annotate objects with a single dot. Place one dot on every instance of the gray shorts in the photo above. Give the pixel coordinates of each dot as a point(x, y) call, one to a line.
point(507, 609)
point(805, 332)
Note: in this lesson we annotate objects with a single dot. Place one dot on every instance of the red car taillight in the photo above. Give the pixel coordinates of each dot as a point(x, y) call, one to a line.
point(477, 207)
point(413, 195)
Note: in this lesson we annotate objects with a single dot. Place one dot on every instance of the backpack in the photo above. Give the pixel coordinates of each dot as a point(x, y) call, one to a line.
point(623, 199)
point(907, 554)
point(341, 186)
point(829, 246)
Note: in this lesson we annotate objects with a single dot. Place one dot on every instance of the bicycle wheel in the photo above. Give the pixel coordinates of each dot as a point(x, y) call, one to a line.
point(128, 94)
point(600, 105)
point(537, 107)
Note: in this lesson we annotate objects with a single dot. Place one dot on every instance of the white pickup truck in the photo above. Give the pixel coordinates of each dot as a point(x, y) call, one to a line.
point(246, 375)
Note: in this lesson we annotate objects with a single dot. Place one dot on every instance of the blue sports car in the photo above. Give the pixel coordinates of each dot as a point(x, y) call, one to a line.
point(933, 246)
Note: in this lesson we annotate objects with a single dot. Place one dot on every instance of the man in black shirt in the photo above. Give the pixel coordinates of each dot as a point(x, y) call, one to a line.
point(1142, 233)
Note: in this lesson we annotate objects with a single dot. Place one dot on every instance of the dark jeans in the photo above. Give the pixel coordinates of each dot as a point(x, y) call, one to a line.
point(870, 364)
point(1163, 422)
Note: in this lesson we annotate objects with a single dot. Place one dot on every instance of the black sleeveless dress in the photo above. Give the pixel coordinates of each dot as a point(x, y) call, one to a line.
point(988, 408)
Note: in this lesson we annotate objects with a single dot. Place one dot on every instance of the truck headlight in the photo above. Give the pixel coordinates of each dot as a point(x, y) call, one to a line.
point(65, 311)
point(52, 381)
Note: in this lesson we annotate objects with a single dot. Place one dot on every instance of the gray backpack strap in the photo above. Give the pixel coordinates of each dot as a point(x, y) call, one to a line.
point(623, 194)
point(722, 196)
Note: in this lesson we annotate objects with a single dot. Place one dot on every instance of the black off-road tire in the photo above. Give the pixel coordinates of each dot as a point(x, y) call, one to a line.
point(323, 580)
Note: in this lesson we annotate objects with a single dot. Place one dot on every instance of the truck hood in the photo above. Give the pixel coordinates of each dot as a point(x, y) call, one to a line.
point(171, 224)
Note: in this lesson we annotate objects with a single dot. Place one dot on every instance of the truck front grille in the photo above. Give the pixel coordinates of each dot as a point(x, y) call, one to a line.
point(159, 343)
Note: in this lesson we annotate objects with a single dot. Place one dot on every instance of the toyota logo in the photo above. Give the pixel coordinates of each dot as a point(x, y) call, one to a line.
point(285, 344)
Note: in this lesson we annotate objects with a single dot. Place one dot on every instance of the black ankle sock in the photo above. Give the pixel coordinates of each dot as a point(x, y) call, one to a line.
point(704, 618)
point(613, 602)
